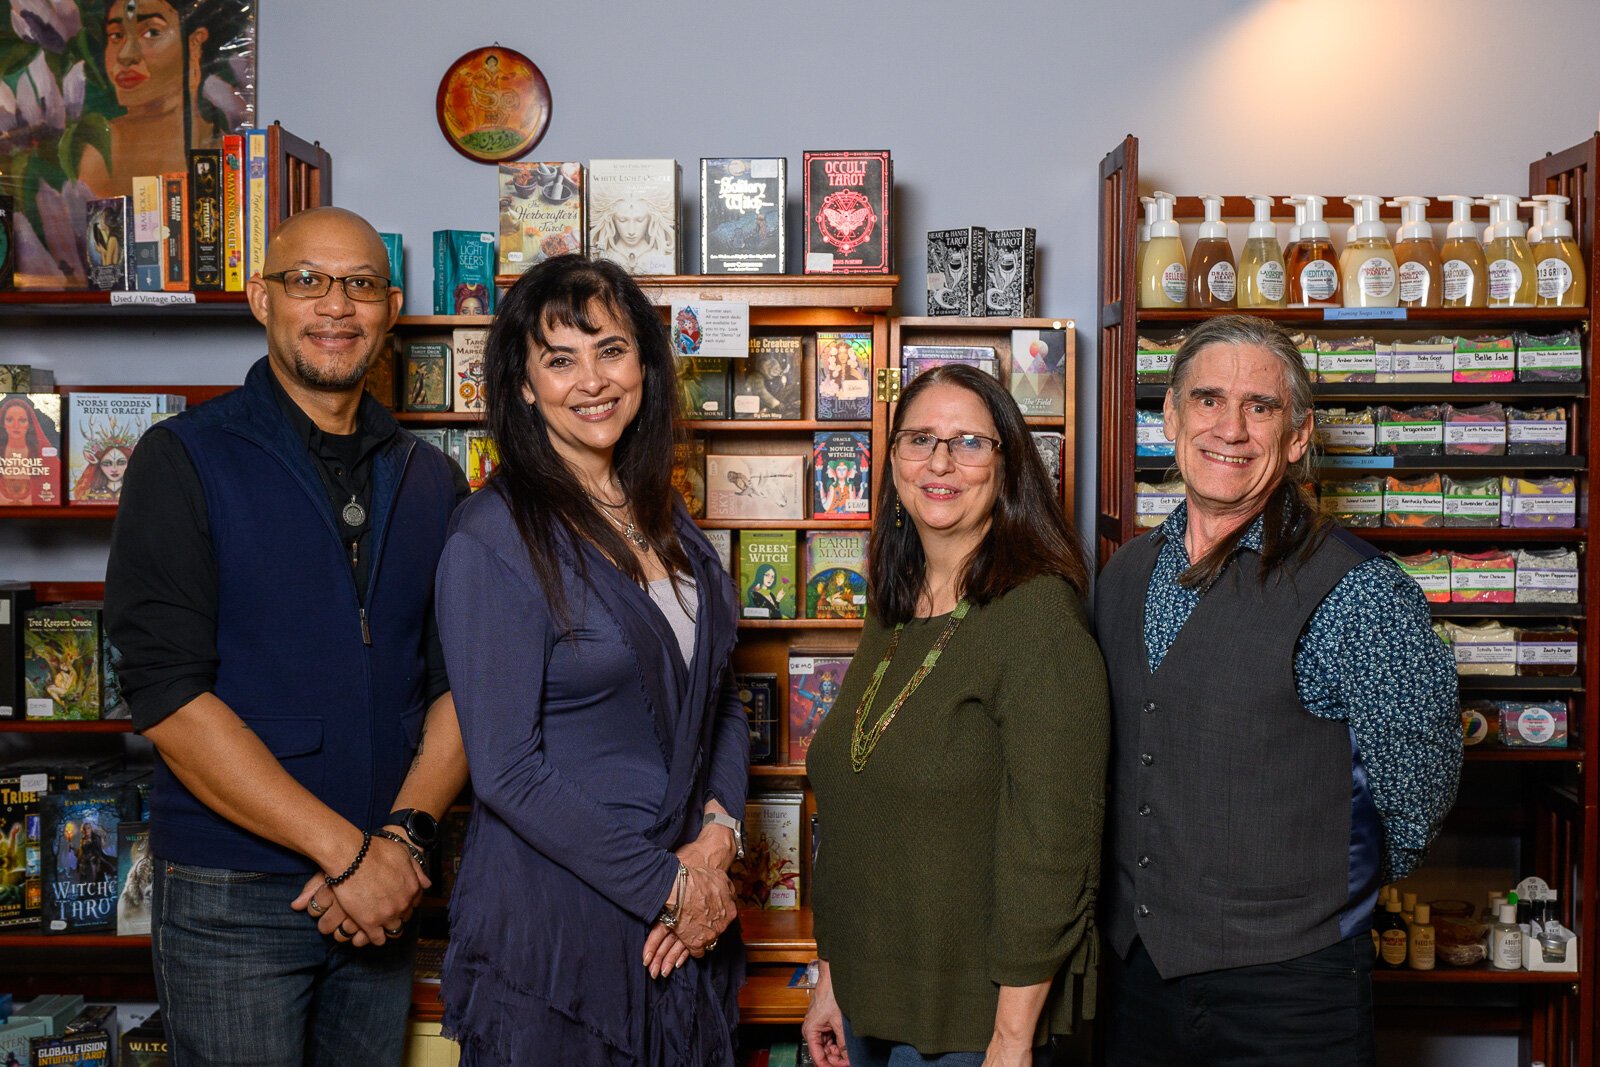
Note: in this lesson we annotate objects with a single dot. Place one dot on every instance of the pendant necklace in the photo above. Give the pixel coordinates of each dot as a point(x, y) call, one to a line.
point(863, 740)
point(629, 529)
point(353, 513)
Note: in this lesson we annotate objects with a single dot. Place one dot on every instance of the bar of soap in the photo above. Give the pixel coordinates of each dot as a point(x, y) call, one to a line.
point(1490, 358)
point(1430, 569)
point(1355, 502)
point(1424, 362)
point(1534, 503)
point(1483, 577)
point(1547, 651)
point(1475, 431)
point(1150, 437)
point(1414, 502)
point(1532, 723)
point(1556, 357)
point(1472, 502)
point(1347, 359)
point(1547, 576)
point(1488, 648)
point(1153, 502)
point(1152, 363)
point(1307, 345)
point(1536, 432)
point(1342, 432)
point(1480, 723)
point(1417, 431)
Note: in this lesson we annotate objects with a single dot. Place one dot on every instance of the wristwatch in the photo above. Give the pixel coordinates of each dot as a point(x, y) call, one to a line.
point(422, 828)
point(731, 823)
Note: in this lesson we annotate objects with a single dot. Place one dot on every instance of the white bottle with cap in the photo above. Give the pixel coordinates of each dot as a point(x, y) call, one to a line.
point(1415, 255)
point(1505, 248)
point(1505, 940)
point(1370, 274)
point(1313, 268)
point(1163, 275)
point(1262, 279)
point(1561, 280)
point(1213, 278)
point(1465, 275)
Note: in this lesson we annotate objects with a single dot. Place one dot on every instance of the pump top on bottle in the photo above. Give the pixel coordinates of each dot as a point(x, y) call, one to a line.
point(1213, 278)
point(1313, 268)
point(1262, 276)
point(1505, 248)
point(1415, 256)
point(1536, 224)
point(1370, 274)
point(1148, 203)
point(1561, 280)
point(1163, 277)
point(1465, 274)
point(1299, 218)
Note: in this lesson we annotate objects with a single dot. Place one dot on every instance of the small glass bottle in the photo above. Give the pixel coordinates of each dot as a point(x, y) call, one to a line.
point(1392, 936)
point(1505, 941)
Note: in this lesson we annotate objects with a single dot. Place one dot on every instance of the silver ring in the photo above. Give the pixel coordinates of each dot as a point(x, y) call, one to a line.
point(314, 908)
point(396, 932)
point(711, 946)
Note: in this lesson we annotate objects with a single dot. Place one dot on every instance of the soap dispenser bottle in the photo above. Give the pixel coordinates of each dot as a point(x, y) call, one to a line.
point(1313, 268)
point(1262, 280)
point(1415, 255)
point(1163, 279)
point(1465, 274)
point(1213, 278)
point(1370, 275)
point(1505, 247)
point(1561, 280)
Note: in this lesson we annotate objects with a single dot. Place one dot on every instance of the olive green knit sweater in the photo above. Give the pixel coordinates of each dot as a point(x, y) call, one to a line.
point(966, 855)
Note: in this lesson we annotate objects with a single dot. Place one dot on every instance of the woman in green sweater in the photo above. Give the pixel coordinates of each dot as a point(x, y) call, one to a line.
point(960, 779)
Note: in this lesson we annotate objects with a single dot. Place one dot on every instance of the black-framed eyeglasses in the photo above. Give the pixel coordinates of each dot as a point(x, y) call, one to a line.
point(313, 284)
point(967, 449)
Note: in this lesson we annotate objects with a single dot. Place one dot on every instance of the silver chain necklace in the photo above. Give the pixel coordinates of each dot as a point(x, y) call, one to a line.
point(629, 529)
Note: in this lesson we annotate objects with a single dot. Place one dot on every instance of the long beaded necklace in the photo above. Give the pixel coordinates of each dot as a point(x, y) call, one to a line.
point(863, 741)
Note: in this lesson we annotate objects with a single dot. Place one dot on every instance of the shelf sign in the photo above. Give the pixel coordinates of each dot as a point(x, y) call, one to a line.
point(1358, 314)
point(122, 298)
point(1356, 461)
point(716, 329)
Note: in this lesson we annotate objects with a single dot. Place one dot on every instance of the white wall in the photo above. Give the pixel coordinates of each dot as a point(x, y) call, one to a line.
point(997, 113)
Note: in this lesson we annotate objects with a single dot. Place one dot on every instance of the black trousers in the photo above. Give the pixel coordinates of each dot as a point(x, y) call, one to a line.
point(1314, 1011)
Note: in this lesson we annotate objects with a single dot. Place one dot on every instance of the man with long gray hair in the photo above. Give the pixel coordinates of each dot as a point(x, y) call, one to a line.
point(1286, 735)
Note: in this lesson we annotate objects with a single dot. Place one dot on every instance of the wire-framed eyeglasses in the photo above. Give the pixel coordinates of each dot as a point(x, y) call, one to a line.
point(967, 449)
point(313, 284)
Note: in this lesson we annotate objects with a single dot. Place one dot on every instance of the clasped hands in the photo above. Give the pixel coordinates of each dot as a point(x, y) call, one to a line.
point(705, 910)
point(377, 900)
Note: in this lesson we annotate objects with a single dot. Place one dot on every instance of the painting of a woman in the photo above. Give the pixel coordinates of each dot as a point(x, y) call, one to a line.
point(30, 467)
point(764, 592)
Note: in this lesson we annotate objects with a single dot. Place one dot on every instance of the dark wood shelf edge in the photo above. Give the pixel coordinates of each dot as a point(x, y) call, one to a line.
point(66, 726)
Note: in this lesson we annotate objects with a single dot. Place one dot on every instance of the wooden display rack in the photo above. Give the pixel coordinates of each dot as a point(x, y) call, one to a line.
point(1555, 1014)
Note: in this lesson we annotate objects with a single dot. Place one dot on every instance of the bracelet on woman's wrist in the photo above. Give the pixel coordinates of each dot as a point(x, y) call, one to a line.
point(671, 911)
point(334, 881)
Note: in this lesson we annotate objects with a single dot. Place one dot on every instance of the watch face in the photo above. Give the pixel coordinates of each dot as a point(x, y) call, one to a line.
point(421, 827)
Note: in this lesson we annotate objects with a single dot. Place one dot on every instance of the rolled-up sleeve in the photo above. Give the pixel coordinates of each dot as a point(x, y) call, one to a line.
point(1054, 723)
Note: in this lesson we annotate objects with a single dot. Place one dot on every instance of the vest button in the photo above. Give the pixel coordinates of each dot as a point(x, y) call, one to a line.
point(1149, 706)
point(1144, 809)
point(1144, 861)
point(1142, 911)
point(1146, 758)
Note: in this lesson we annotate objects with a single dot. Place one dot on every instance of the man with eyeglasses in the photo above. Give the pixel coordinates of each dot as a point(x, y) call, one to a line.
point(269, 592)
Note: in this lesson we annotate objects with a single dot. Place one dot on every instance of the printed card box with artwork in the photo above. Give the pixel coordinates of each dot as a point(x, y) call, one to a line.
point(814, 681)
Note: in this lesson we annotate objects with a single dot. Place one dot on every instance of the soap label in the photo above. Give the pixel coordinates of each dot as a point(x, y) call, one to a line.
point(1157, 503)
point(1346, 435)
point(1474, 433)
point(1353, 504)
point(1544, 505)
point(1537, 432)
point(1457, 280)
point(1483, 581)
point(1319, 280)
point(1431, 581)
point(1400, 433)
point(1175, 284)
point(1537, 725)
point(1554, 278)
point(1486, 652)
point(1540, 578)
point(1414, 503)
point(1153, 362)
point(1439, 361)
point(1567, 359)
point(1556, 653)
point(1376, 278)
point(1505, 278)
point(1477, 507)
point(1491, 359)
point(1151, 435)
point(1270, 280)
point(1413, 282)
point(1347, 362)
point(1222, 280)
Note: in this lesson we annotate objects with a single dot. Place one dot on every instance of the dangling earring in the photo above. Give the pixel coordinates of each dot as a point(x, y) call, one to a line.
point(899, 514)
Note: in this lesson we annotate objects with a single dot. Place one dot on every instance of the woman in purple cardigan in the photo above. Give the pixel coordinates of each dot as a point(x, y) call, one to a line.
point(587, 627)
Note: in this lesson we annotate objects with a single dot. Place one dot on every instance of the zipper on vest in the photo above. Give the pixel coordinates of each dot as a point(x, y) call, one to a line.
point(366, 634)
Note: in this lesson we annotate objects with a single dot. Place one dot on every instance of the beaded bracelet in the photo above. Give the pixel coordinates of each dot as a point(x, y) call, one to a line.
point(416, 853)
point(366, 843)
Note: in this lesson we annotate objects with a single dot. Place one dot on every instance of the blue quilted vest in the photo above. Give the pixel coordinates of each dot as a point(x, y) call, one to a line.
point(332, 686)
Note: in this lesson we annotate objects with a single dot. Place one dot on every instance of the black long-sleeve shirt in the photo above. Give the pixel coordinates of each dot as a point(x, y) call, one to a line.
point(161, 579)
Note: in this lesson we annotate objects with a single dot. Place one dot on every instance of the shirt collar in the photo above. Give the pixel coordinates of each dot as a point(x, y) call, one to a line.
point(374, 426)
point(1176, 525)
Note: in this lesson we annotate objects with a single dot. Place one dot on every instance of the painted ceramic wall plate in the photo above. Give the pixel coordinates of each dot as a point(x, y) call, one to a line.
point(493, 104)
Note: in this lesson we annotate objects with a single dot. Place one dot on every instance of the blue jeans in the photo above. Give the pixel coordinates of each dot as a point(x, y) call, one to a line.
point(246, 981)
point(872, 1052)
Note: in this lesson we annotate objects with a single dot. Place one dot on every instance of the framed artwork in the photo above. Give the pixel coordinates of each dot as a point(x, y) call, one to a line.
point(493, 105)
point(94, 93)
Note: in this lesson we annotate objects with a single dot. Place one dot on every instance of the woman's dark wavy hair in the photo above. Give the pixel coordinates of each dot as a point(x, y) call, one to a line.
point(544, 496)
point(1292, 528)
point(1029, 535)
